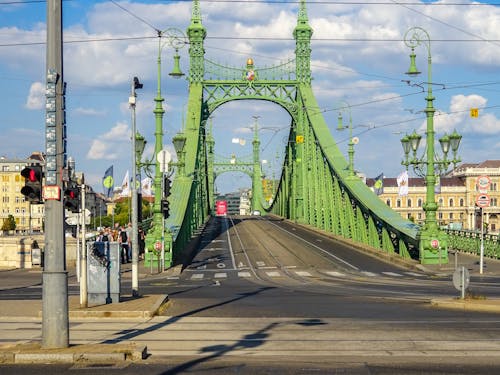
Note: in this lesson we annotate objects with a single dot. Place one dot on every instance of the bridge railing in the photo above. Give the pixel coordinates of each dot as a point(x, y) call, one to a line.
point(470, 242)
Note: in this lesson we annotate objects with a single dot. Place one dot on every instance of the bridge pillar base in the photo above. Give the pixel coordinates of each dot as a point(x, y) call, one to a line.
point(433, 247)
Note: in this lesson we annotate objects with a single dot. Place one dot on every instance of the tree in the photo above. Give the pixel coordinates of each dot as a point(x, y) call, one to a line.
point(9, 223)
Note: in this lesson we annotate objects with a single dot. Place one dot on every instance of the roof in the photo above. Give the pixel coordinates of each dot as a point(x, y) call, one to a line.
point(417, 181)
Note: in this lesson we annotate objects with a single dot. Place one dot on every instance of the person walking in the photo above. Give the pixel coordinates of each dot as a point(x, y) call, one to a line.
point(124, 244)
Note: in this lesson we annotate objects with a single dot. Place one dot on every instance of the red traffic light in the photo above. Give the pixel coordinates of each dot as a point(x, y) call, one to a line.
point(32, 188)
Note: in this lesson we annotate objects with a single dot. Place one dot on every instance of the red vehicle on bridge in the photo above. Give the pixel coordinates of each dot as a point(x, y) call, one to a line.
point(221, 208)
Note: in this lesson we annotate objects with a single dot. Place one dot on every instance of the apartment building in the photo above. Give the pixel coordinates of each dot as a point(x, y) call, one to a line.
point(28, 217)
point(456, 197)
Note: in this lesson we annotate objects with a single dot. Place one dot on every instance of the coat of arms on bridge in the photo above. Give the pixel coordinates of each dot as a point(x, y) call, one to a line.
point(250, 73)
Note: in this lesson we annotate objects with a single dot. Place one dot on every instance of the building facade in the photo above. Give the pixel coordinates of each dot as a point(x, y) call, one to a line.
point(28, 217)
point(456, 197)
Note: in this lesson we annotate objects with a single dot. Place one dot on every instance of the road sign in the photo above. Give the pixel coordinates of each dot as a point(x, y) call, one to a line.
point(157, 245)
point(435, 244)
point(483, 200)
point(483, 184)
point(163, 158)
point(461, 280)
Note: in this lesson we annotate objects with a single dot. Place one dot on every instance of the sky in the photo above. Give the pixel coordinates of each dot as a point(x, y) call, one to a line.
point(358, 58)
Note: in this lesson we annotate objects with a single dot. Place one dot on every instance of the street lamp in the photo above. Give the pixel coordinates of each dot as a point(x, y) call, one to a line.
point(352, 141)
point(179, 141)
point(135, 227)
point(158, 236)
point(433, 243)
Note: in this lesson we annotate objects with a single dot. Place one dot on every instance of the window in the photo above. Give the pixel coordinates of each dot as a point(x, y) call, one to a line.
point(493, 202)
point(440, 215)
point(461, 202)
point(419, 216)
point(493, 186)
point(408, 202)
point(398, 203)
point(450, 216)
point(440, 202)
point(419, 202)
point(388, 202)
point(408, 216)
point(451, 202)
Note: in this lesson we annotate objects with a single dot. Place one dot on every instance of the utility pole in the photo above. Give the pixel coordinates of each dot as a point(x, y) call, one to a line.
point(55, 317)
point(83, 263)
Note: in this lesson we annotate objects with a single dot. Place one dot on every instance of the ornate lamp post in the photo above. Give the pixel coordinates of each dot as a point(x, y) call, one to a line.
point(156, 236)
point(341, 126)
point(433, 243)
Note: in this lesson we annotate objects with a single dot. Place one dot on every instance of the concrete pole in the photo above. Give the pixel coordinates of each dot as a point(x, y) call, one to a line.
point(135, 225)
point(55, 316)
point(83, 263)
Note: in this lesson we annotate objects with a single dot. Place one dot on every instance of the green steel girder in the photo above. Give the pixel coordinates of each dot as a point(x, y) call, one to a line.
point(315, 186)
point(216, 93)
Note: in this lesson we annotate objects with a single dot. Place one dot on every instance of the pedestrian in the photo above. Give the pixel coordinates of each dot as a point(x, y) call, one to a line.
point(124, 245)
point(142, 243)
point(129, 236)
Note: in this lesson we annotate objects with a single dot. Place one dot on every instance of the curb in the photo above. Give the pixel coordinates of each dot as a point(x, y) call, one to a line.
point(101, 353)
point(486, 305)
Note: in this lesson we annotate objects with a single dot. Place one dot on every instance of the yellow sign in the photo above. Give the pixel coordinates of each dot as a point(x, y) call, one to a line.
point(474, 112)
point(299, 139)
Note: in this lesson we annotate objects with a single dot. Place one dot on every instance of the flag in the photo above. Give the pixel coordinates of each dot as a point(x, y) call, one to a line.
point(125, 185)
point(378, 186)
point(437, 185)
point(146, 187)
point(403, 183)
point(108, 182)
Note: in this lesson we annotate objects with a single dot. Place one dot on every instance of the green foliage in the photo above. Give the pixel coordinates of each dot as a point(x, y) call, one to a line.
point(9, 223)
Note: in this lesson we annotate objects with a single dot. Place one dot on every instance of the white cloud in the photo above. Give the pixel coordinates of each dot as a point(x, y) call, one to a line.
point(110, 145)
point(459, 116)
point(36, 96)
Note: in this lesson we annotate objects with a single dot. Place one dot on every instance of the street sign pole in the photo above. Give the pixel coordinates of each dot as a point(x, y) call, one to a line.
point(481, 252)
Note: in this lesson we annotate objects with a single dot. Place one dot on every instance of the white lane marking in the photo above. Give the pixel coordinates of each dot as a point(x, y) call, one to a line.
point(260, 263)
point(392, 274)
point(244, 274)
point(241, 265)
point(335, 273)
point(414, 274)
point(366, 273)
point(273, 274)
point(221, 265)
point(290, 267)
point(319, 248)
point(303, 273)
point(233, 261)
point(201, 267)
point(197, 276)
point(220, 275)
point(267, 268)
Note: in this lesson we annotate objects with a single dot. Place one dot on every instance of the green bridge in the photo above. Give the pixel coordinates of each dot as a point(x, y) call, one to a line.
point(317, 187)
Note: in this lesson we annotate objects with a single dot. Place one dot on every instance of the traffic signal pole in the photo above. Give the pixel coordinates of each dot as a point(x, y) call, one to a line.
point(55, 317)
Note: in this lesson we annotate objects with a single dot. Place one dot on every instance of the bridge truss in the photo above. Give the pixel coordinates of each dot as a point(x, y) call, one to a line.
point(315, 188)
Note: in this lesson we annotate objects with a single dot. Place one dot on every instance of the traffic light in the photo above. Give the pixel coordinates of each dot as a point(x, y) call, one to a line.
point(166, 187)
point(32, 188)
point(165, 208)
point(72, 197)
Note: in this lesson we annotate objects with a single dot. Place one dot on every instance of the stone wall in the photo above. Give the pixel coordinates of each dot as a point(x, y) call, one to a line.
point(16, 250)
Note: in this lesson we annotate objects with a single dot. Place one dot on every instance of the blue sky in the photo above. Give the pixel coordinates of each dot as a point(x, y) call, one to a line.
point(358, 57)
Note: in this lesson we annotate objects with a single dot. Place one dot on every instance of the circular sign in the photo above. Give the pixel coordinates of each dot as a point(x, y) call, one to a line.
point(483, 200)
point(483, 183)
point(355, 140)
point(157, 245)
point(434, 244)
point(461, 274)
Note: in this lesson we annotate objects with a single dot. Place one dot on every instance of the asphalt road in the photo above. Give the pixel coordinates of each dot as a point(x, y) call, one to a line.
point(267, 297)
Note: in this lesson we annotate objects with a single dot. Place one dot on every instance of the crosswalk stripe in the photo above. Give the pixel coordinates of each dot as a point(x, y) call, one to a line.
point(303, 273)
point(197, 276)
point(244, 274)
point(273, 274)
point(392, 274)
point(367, 273)
point(220, 275)
point(414, 274)
point(335, 273)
